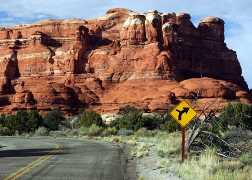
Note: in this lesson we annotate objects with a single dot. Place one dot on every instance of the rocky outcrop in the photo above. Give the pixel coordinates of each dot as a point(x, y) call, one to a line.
point(122, 58)
point(133, 31)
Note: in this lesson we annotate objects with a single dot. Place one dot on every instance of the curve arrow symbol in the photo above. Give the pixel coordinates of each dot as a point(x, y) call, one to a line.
point(185, 110)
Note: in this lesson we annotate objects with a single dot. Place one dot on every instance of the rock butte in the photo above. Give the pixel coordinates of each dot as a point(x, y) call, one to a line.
point(150, 60)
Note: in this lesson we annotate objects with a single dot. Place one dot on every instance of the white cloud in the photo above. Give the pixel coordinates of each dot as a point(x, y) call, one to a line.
point(236, 14)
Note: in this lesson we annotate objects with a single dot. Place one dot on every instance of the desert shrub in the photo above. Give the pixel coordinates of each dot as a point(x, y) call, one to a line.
point(22, 121)
point(4, 131)
point(129, 118)
point(115, 139)
point(237, 134)
point(141, 150)
point(238, 114)
point(65, 124)
point(109, 131)
point(16, 133)
point(150, 122)
point(166, 122)
point(170, 126)
point(246, 159)
point(132, 118)
point(58, 134)
point(41, 131)
point(88, 118)
point(83, 130)
point(114, 123)
point(94, 130)
point(34, 121)
point(17, 122)
point(74, 132)
point(125, 132)
point(53, 119)
point(3, 119)
point(143, 132)
point(27, 135)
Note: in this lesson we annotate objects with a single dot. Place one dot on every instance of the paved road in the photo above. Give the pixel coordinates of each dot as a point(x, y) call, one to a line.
point(51, 158)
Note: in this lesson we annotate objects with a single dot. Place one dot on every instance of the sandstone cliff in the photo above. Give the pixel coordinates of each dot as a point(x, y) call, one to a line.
point(150, 60)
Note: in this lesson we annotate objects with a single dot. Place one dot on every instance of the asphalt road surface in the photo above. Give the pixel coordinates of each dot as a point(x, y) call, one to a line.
point(52, 158)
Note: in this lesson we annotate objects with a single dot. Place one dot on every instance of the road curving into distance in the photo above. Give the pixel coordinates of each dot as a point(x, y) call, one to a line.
point(54, 158)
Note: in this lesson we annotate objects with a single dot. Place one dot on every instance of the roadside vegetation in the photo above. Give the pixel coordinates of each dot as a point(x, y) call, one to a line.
point(225, 156)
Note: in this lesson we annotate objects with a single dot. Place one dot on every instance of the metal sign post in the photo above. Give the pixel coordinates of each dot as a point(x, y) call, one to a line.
point(183, 145)
point(183, 113)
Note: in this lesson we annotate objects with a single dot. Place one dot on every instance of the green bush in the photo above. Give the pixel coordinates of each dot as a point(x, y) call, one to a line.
point(125, 132)
point(150, 122)
point(143, 132)
point(170, 126)
point(246, 159)
point(83, 130)
point(34, 121)
point(87, 118)
point(165, 122)
point(94, 130)
point(3, 119)
point(4, 131)
point(168, 123)
point(18, 121)
point(59, 134)
point(130, 117)
point(22, 121)
point(109, 131)
point(238, 114)
point(41, 131)
point(74, 132)
point(53, 119)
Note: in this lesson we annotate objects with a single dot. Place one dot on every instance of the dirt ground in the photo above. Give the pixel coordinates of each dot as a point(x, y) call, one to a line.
point(145, 168)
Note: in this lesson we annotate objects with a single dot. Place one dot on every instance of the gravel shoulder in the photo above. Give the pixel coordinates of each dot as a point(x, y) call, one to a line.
point(145, 168)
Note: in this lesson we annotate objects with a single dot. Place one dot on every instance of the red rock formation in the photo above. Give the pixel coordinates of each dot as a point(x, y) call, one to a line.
point(133, 31)
point(153, 26)
point(122, 58)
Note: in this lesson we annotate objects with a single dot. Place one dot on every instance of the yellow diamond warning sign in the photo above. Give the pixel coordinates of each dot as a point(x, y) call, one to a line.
point(183, 113)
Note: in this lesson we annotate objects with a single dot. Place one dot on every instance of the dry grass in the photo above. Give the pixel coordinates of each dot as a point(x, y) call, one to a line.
point(168, 145)
point(207, 166)
point(141, 149)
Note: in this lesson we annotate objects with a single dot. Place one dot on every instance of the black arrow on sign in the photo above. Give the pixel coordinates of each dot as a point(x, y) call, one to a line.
point(185, 110)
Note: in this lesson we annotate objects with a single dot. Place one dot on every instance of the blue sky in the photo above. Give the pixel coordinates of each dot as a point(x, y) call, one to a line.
point(236, 14)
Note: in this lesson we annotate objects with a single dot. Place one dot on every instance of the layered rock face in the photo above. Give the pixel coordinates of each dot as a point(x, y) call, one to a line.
point(150, 60)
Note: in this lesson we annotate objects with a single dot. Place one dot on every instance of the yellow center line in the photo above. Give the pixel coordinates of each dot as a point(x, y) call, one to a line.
point(30, 166)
